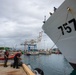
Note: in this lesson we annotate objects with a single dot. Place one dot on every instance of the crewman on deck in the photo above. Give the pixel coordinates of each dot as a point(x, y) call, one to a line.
point(55, 9)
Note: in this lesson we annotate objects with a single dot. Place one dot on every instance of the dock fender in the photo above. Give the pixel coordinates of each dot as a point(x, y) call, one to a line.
point(29, 66)
point(38, 71)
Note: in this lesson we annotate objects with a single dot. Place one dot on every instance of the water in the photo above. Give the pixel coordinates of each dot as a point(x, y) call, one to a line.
point(50, 64)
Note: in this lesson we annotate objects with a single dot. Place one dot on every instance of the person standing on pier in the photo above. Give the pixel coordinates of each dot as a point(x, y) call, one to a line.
point(6, 54)
point(16, 60)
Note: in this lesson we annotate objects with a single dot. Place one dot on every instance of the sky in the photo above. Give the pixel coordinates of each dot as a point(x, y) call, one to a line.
point(22, 20)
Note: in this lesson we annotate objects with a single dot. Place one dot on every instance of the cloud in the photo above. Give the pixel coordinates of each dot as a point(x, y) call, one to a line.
point(22, 19)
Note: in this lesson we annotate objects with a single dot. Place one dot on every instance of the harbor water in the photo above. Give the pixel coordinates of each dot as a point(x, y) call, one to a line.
point(54, 64)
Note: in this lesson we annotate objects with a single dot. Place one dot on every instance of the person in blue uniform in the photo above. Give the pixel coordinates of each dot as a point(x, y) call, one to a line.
point(16, 60)
point(6, 54)
point(55, 9)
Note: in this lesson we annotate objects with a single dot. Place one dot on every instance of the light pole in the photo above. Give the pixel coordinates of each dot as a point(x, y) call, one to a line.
point(15, 46)
point(44, 44)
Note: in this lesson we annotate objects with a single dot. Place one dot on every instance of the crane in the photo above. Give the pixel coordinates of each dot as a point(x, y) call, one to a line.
point(39, 37)
point(33, 42)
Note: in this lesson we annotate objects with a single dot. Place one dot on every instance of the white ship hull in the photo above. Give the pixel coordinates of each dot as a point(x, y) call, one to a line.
point(61, 28)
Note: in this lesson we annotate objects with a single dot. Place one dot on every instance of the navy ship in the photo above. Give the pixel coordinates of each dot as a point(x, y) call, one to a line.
point(61, 28)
